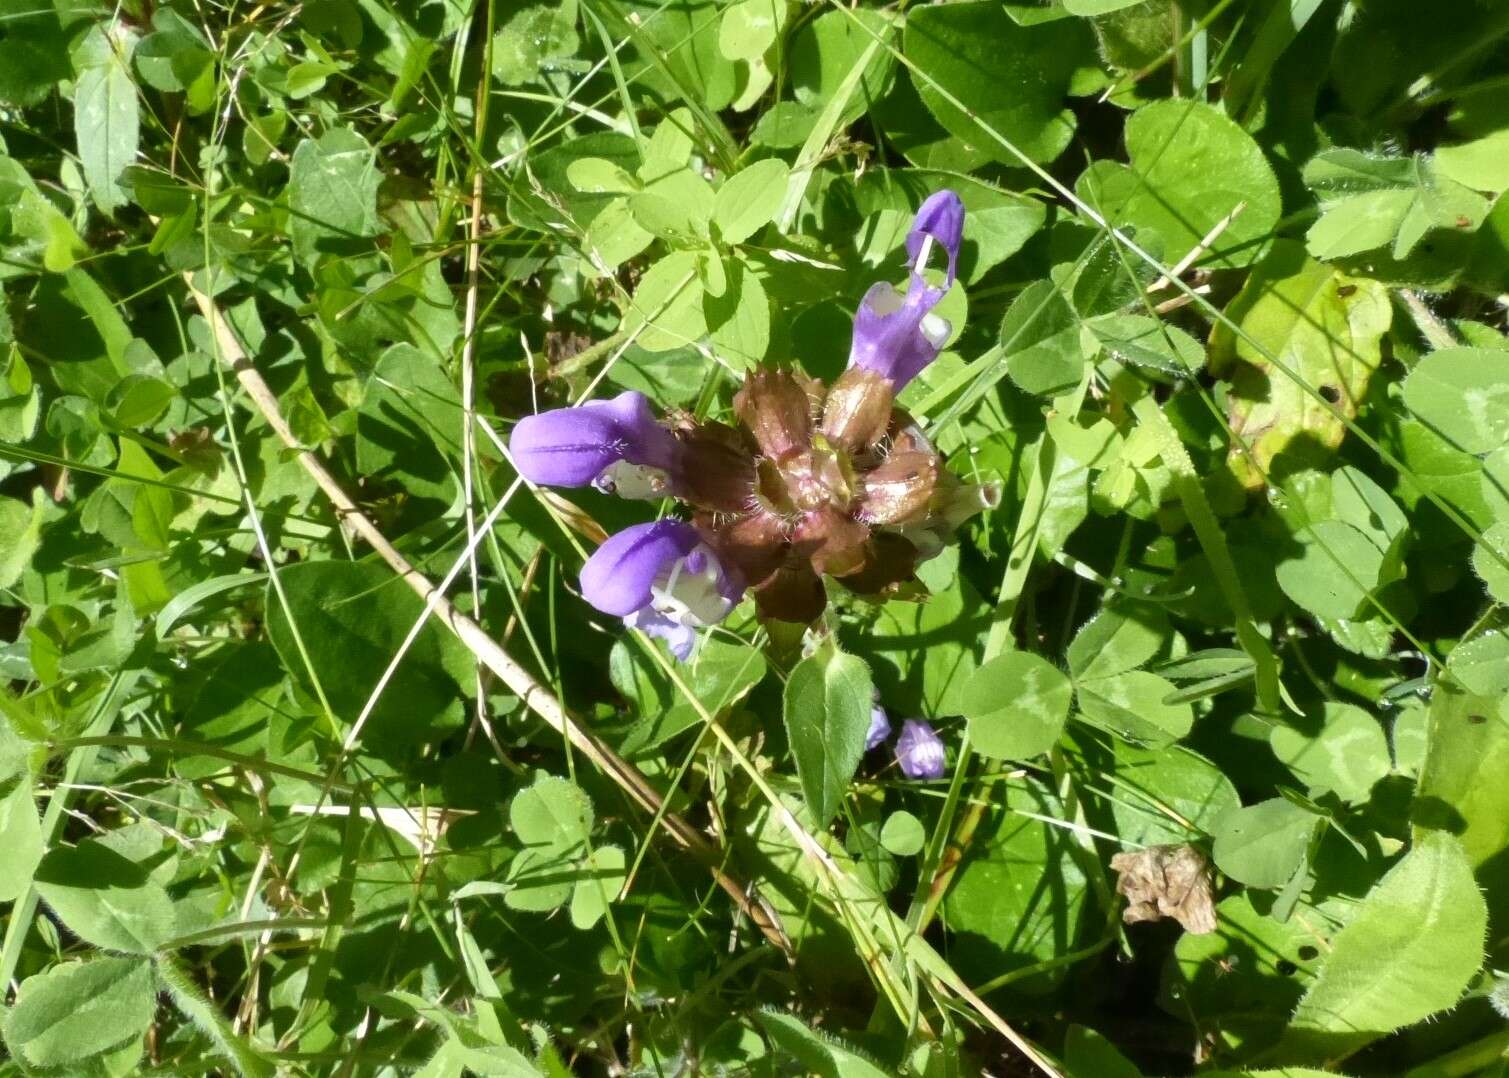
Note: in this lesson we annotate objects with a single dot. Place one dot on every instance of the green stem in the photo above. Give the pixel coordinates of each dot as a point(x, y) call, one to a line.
point(1213, 542)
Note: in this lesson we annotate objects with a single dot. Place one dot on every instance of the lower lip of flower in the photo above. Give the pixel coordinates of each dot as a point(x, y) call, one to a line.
point(689, 592)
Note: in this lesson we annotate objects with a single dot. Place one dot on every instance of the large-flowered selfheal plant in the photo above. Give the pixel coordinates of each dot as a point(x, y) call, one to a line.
point(814, 481)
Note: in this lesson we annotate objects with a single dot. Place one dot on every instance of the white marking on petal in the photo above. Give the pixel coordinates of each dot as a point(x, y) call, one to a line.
point(923, 252)
point(690, 597)
point(936, 329)
point(886, 300)
point(638, 481)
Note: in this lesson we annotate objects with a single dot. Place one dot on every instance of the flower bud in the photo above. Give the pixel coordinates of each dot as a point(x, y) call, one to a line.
point(776, 410)
point(857, 410)
point(919, 751)
point(880, 727)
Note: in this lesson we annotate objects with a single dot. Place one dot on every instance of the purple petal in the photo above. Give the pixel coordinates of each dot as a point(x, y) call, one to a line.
point(880, 727)
point(681, 639)
point(571, 447)
point(619, 575)
point(942, 218)
point(919, 751)
point(890, 336)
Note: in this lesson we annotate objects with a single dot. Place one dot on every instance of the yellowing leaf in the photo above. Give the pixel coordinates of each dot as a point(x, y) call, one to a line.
point(1309, 347)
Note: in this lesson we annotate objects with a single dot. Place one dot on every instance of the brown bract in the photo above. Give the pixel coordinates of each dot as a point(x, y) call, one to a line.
point(817, 481)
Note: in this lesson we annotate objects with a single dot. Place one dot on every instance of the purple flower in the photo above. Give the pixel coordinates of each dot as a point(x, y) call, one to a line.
point(880, 727)
point(662, 579)
point(896, 335)
point(615, 445)
point(919, 751)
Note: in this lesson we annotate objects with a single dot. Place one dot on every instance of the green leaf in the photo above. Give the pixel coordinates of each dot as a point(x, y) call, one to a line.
point(819, 1053)
point(39, 221)
point(174, 58)
point(1016, 705)
point(722, 673)
point(1334, 571)
point(105, 118)
point(677, 206)
point(33, 51)
point(1467, 741)
point(20, 535)
point(1247, 975)
point(1011, 79)
point(903, 834)
point(666, 310)
point(1147, 342)
point(531, 38)
point(139, 400)
point(1410, 952)
point(1482, 663)
point(549, 201)
point(1370, 202)
point(600, 877)
point(1040, 336)
point(332, 193)
point(408, 428)
point(1190, 168)
point(1120, 637)
point(596, 175)
point(1346, 755)
point(614, 236)
point(1134, 704)
point(1019, 894)
point(1323, 329)
point(750, 199)
point(553, 819)
point(1089, 1055)
point(1263, 845)
point(106, 899)
point(21, 844)
point(1463, 395)
point(827, 713)
point(552, 812)
point(679, 58)
point(1490, 556)
point(352, 618)
point(750, 27)
point(73, 1012)
point(738, 320)
point(825, 50)
point(1160, 791)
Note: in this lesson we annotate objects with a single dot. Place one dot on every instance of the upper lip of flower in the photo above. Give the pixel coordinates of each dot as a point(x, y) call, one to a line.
point(893, 334)
point(572, 447)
